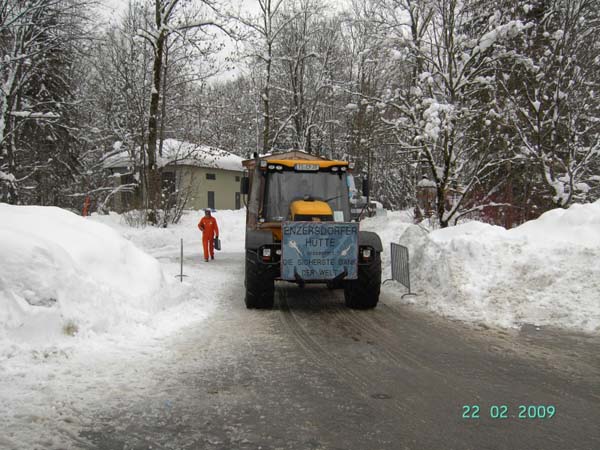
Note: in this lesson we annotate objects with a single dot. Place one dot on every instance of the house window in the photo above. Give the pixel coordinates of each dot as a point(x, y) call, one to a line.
point(211, 199)
point(237, 178)
point(211, 176)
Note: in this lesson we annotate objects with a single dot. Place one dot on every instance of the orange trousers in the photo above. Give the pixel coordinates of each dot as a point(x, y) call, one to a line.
point(208, 244)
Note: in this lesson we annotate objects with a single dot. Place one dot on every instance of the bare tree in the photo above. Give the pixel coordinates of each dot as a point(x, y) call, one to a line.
point(548, 101)
point(268, 28)
point(171, 17)
point(447, 57)
point(309, 49)
point(36, 102)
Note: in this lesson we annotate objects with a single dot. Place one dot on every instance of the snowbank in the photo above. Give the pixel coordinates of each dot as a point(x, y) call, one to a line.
point(544, 272)
point(64, 275)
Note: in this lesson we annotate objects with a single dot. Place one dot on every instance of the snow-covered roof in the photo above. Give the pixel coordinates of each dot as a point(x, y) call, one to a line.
point(183, 153)
point(426, 182)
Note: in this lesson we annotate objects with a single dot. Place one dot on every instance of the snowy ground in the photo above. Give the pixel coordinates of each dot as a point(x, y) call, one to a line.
point(85, 306)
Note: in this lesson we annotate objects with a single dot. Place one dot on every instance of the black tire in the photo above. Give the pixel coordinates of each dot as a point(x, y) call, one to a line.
point(259, 283)
point(363, 293)
point(335, 285)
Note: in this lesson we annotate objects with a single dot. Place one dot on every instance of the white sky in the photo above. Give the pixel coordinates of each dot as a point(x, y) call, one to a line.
point(111, 9)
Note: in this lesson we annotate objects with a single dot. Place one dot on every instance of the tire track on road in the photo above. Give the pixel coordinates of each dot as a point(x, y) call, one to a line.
point(389, 345)
point(361, 381)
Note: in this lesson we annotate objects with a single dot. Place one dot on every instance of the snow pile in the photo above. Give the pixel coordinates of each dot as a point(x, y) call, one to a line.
point(544, 272)
point(63, 275)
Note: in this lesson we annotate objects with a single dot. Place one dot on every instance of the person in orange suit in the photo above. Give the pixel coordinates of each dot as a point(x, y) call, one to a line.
point(210, 231)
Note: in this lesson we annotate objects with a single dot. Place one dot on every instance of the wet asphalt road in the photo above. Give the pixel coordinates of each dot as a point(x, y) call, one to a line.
point(312, 374)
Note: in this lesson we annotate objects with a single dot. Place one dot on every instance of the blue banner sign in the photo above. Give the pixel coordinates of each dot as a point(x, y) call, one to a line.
point(319, 250)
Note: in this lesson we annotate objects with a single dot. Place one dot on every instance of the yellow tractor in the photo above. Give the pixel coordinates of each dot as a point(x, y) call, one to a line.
point(299, 229)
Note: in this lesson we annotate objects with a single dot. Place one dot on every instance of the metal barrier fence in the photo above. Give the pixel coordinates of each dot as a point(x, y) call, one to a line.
point(400, 266)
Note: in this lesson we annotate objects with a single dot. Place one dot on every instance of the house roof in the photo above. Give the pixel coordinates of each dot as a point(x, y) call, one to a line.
point(182, 153)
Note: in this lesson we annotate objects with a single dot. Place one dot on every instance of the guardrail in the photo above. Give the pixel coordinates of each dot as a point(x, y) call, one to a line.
point(400, 266)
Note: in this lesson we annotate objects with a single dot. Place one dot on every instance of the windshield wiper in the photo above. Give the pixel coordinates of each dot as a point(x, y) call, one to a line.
point(334, 198)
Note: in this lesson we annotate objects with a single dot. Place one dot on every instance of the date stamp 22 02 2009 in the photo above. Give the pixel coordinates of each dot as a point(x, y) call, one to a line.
point(533, 412)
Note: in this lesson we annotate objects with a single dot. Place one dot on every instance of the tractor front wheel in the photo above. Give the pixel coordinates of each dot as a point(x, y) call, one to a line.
point(259, 282)
point(363, 293)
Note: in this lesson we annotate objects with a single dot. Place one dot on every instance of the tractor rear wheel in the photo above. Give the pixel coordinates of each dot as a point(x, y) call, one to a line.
point(259, 282)
point(363, 293)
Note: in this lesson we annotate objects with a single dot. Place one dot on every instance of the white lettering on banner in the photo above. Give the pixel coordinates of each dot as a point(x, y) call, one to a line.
point(319, 251)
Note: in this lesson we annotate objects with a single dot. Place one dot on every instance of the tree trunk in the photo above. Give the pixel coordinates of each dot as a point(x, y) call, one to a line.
point(266, 112)
point(163, 112)
point(441, 206)
point(153, 172)
point(7, 147)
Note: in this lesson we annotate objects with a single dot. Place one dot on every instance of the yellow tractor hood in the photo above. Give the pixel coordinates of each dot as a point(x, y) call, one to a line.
point(310, 208)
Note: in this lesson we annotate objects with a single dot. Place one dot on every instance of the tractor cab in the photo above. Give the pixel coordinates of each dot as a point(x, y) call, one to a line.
point(299, 229)
point(299, 191)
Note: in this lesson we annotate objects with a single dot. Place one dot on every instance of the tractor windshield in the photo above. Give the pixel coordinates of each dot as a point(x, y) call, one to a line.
point(283, 188)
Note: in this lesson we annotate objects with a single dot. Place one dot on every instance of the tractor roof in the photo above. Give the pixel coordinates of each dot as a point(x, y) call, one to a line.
point(292, 163)
point(291, 158)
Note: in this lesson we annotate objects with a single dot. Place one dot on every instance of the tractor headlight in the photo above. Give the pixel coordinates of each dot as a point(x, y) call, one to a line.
point(366, 253)
point(266, 254)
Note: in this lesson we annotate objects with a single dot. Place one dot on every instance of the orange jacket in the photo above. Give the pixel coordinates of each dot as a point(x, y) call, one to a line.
point(208, 226)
